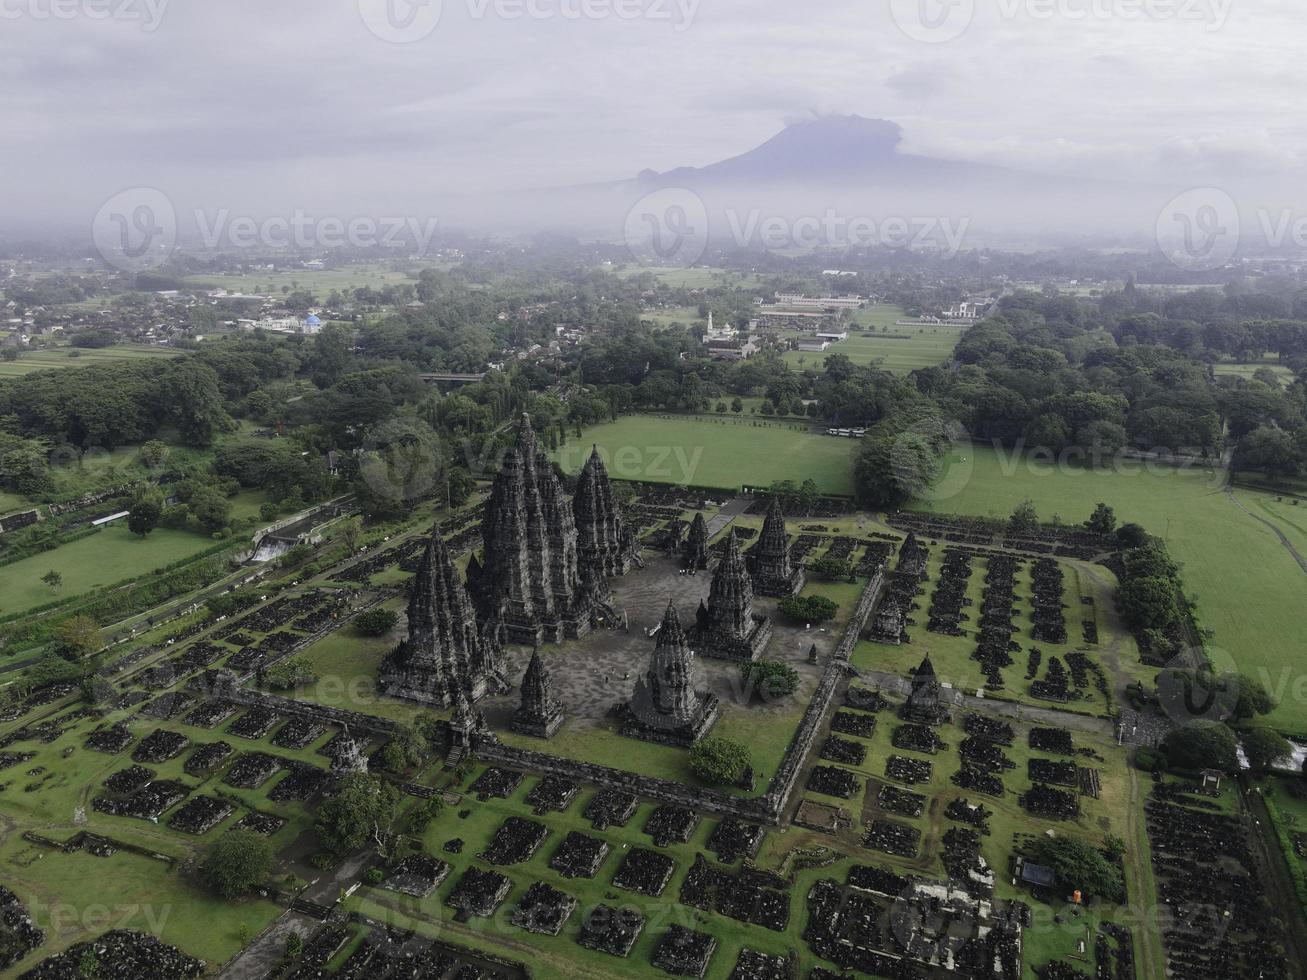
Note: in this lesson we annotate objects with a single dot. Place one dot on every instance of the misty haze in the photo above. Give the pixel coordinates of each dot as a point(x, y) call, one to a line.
point(585, 489)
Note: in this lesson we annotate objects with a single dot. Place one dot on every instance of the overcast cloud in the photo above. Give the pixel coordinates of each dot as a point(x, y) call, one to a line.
point(263, 106)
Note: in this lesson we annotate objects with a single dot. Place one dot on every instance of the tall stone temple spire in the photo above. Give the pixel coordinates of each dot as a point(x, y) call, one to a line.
point(531, 557)
point(540, 714)
point(694, 552)
point(774, 573)
point(728, 629)
point(446, 652)
point(604, 542)
point(665, 707)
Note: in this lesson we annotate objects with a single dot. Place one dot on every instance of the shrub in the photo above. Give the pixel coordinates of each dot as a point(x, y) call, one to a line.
point(1149, 759)
point(376, 622)
point(237, 863)
point(809, 609)
point(719, 761)
point(770, 680)
point(1202, 745)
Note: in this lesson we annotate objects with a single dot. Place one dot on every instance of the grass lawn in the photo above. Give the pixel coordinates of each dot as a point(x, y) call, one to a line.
point(724, 453)
point(319, 282)
point(1246, 369)
point(1247, 585)
point(893, 348)
point(74, 357)
point(111, 555)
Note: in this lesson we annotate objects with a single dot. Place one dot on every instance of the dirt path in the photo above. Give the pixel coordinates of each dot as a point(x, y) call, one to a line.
point(1275, 876)
point(1297, 556)
point(1151, 958)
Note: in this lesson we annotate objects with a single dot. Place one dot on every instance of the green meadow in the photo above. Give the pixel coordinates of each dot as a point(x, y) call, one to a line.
point(726, 453)
point(74, 357)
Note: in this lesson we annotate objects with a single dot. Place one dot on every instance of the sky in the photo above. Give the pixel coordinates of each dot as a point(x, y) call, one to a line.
point(379, 106)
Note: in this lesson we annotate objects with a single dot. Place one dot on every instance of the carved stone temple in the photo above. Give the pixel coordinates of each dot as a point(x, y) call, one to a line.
point(727, 627)
point(604, 543)
point(446, 653)
point(540, 715)
point(925, 704)
point(774, 572)
point(665, 707)
point(531, 569)
point(694, 550)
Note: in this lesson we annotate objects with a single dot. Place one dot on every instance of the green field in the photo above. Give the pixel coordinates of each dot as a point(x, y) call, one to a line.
point(1247, 584)
point(901, 350)
point(1246, 369)
point(111, 555)
point(707, 452)
point(73, 357)
point(320, 282)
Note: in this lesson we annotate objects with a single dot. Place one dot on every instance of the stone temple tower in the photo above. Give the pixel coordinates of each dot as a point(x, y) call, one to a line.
point(774, 573)
point(603, 541)
point(531, 568)
point(694, 551)
point(446, 651)
point(540, 715)
point(665, 707)
point(727, 627)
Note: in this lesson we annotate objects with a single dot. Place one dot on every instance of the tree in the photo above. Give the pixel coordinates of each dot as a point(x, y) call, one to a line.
point(376, 622)
point(237, 863)
point(1264, 746)
point(809, 609)
point(210, 508)
point(719, 761)
point(771, 680)
point(1150, 602)
point(1025, 519)
point(362, 810)
point(76, 638)
point(147, 508)
point(53, 579)
point(737, 406)
point(1253, 699)
point(154, 454)
point(1079, 866)
point(294, 946)
point(1202, 745)
point(1102, 521)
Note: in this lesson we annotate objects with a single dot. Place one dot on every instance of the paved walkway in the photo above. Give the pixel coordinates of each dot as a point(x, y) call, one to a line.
point(732, 509)
point(259, 957)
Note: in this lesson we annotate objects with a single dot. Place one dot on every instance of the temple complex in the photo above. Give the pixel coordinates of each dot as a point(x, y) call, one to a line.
point(694, 550)
point(604, 543)
point(532, 557)
point(726, 627)
point(446, 652)
point(665, 707)
point(540, 715)
point(774, 572)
